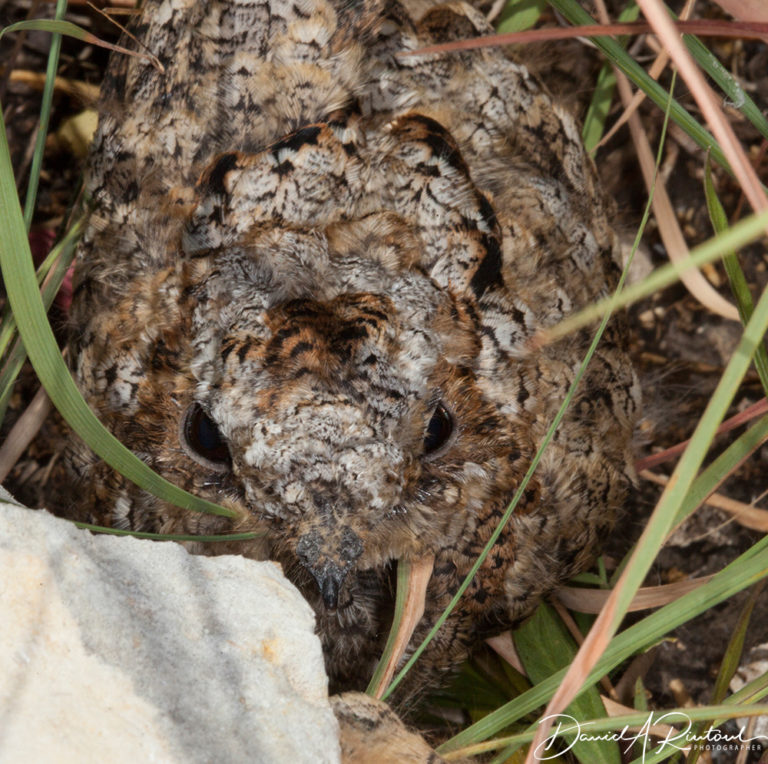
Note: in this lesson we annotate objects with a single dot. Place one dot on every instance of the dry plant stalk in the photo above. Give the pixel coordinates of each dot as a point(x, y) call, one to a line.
point(593, 600)
point(744, 514)
point(420, 574)
point(23, 432)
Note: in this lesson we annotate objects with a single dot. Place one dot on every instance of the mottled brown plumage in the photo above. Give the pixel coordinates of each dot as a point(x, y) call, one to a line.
point(307, 291)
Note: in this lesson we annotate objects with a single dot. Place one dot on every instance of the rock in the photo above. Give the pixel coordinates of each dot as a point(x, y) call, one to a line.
point(122, 650)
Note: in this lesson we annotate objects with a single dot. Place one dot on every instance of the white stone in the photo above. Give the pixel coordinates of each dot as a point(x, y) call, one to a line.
point(121, 650)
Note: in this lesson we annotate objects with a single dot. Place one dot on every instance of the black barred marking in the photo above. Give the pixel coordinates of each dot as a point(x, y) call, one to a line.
point(301, 347)
point(284, 169)
point(110, 374)
point(168, 357)
point(285, 334)
point(227, 348)
point(307, 136)
point(131, 192)
point(214, 178)
point(302, 308)
point(488, 273)
point(242, 351)
point(377, 314)
point(480, 595)
point(299, 13)
point(488, 214)
point(351, 333)
point(441, 142)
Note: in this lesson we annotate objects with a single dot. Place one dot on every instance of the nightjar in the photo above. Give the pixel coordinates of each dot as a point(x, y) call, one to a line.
point(308, 287)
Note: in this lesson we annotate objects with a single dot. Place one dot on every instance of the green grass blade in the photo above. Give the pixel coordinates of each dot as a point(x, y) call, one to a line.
point(735, 648)
point(751, 692)
point(598, 725)
point(45, 114)
point(54, 26)
point(727, 462)
point(65, 252)
point(727, 83)
point(248, 536)
point(615, 53)
point(737, 236)
point(599, 107)
point(11, 370)
point(519, 15)
point(66, 244)
point(600, 104)
point(743, 572)
point(674, 495)
point(27, 306)
point(542, 658)
point(736, 278)
point(68, 29)
point(731, 659)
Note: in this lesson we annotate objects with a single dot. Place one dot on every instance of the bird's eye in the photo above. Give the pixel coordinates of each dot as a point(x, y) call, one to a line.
point(439, 430)
point(202, 440)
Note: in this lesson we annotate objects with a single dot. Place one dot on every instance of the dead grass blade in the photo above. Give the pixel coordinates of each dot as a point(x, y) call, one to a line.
point(743, 514)
point(749, 413)
point(669, 228)
point(23, 432)
point(655, 70)
point(87, 93)
point(745, 10)
point(664, 27)
point(503, 645)
point(647, 598)
point(701, 27)
point(419, 574)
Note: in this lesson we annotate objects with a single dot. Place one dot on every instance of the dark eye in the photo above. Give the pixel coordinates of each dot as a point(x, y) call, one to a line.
point(203, 441)
point(439, 430)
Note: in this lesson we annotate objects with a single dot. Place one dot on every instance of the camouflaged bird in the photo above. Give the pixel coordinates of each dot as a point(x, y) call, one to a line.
point(308, 289)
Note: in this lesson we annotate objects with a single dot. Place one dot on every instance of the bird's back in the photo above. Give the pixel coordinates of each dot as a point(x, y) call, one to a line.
point(337, 254)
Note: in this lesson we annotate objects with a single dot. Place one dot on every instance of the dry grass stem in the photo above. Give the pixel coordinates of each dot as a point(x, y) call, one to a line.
point(421, 572)
point(663, 210)
point(503, 645)
point(655, 70)
point(647, 598)
point(704, 28)
point(745, 10)
point(578, 636)
point(23, 432)
point(86, 92)
point(744, 514)
point(661, 730)
point(751, 412)
point(664, 27)
point(669, 228)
